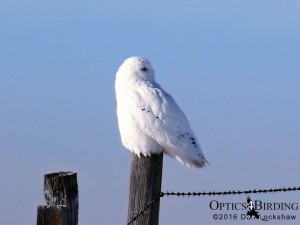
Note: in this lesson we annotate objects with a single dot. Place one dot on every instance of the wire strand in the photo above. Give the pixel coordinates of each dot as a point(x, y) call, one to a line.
point(142, 212)
point(212, 193)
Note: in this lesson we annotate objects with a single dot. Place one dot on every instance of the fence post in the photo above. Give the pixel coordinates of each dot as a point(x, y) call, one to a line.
point(145, 186)
point(61, 196)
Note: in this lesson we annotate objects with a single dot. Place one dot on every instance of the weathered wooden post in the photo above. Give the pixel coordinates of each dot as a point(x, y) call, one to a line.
point(61, 196)
point(145, 187)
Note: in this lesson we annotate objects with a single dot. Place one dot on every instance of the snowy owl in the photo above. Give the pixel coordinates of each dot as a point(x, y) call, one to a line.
point(150, 121)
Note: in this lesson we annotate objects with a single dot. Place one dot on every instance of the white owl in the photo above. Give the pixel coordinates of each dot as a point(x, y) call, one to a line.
point(150, 121)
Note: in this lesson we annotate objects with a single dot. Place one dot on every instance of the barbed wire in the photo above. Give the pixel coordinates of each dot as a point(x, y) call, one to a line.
point(212, 193)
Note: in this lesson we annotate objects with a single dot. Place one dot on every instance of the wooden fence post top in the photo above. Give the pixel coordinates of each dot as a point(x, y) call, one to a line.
point(61, 196)
point(60, 174)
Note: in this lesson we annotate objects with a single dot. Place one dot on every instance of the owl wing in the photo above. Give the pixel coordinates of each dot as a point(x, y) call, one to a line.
point(159, 117)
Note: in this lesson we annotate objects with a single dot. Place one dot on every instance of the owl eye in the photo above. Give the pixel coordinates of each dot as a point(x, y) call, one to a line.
point(144, 68)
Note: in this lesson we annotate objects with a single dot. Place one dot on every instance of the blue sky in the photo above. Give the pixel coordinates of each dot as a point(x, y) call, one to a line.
point(232, 66)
